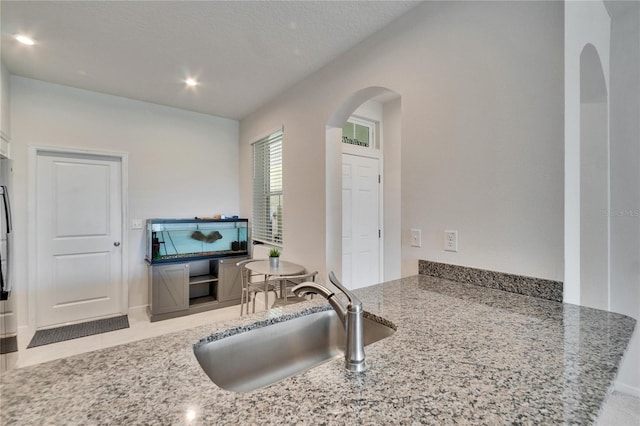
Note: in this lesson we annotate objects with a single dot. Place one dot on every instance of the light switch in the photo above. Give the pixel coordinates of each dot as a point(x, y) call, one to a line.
point(136, 224)
point(416, 238)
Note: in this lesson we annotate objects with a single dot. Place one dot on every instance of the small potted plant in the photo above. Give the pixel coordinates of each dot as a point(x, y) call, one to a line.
point(274, 257)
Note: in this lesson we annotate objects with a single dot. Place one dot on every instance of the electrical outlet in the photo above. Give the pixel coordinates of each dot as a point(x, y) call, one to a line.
point(451, 241)
point(136, 224)
point(416, 238)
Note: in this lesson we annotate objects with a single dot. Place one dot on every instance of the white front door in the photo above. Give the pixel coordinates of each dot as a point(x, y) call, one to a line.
point(79, 231)
point(360, 221)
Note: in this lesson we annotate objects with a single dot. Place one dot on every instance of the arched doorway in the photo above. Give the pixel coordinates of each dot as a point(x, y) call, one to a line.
point(389, 219)
point(594, 182)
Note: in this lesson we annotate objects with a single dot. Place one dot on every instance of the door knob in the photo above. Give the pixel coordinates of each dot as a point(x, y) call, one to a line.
point(117, 244)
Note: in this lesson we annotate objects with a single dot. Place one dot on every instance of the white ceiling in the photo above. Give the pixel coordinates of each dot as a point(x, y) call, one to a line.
point(243, 52)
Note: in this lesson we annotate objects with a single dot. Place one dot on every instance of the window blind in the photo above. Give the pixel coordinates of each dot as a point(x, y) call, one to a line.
point(267, 189)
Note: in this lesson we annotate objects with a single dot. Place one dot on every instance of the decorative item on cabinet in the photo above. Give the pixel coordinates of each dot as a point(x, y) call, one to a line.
point(173, 240)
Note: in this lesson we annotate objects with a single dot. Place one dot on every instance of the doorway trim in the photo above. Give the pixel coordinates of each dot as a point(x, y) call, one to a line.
point(32, 237)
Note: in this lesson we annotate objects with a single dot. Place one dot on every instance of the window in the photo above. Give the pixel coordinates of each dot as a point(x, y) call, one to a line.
point(358, 132)
point(267, 189)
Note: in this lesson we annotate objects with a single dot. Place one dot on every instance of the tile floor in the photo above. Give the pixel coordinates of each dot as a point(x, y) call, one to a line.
point(139, 328)
point(620, 409)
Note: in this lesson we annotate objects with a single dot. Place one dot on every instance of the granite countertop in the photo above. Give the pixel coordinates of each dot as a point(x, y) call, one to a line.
point(461, 354)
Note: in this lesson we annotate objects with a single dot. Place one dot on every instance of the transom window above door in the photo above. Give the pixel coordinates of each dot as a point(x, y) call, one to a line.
point(359, 132)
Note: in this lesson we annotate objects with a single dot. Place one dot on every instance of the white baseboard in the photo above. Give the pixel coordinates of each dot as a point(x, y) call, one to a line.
point(626, 389)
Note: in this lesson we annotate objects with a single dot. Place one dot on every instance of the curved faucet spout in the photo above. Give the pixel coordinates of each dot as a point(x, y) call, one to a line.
point(350, 315)
point(315, 288)
point(312, 288)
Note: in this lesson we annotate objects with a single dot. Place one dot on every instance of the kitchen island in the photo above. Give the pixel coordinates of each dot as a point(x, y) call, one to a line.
point(461, 354)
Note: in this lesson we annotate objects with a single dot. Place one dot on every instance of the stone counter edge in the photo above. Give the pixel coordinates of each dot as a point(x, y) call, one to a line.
point(520, 284)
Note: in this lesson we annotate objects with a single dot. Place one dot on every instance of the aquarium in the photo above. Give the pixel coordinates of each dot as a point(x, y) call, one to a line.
point(172, 240)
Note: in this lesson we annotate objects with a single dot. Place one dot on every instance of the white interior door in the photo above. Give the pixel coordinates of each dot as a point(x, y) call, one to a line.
point(79, 230)
point(360, 221)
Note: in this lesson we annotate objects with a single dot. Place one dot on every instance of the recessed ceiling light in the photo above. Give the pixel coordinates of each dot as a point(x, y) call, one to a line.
point(25, 40)
point(191, 82)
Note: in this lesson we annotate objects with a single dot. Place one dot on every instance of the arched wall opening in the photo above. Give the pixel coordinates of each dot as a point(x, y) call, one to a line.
point(594, 182)
point(391, 226)
point(586, 24)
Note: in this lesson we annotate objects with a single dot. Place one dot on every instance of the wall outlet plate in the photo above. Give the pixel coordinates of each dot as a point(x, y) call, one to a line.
point(451, 240)
point(416, 238)
point(136, 224)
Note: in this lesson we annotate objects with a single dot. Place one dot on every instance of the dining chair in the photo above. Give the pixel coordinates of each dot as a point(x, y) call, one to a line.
point(294, 280)
point(251, 287)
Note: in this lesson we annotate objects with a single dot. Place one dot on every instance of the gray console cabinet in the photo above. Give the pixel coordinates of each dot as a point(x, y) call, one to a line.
point(183, 288)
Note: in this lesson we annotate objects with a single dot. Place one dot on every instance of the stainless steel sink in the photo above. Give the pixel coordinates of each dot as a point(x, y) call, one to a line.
point(253, 359)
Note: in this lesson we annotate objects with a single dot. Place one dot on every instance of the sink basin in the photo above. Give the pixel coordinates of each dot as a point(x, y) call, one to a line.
point(261, 356)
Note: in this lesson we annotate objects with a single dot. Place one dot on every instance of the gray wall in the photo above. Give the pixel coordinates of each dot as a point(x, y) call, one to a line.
point(625, 176)
point(181, 163)
point(481, 87)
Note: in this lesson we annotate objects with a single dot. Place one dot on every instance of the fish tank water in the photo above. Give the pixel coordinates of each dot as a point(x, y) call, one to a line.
point(174, 240)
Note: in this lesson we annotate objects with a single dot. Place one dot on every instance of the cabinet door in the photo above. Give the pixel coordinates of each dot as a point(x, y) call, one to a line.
point(170, 288)
point(229, 279)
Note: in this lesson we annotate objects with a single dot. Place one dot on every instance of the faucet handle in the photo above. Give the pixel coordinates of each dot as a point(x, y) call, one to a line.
point(353, 299)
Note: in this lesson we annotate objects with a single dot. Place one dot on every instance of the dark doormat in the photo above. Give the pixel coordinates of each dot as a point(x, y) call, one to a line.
point(68, 332)
point(8, 345)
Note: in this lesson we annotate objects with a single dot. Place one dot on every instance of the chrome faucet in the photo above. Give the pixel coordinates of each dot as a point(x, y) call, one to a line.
point(350, 315)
